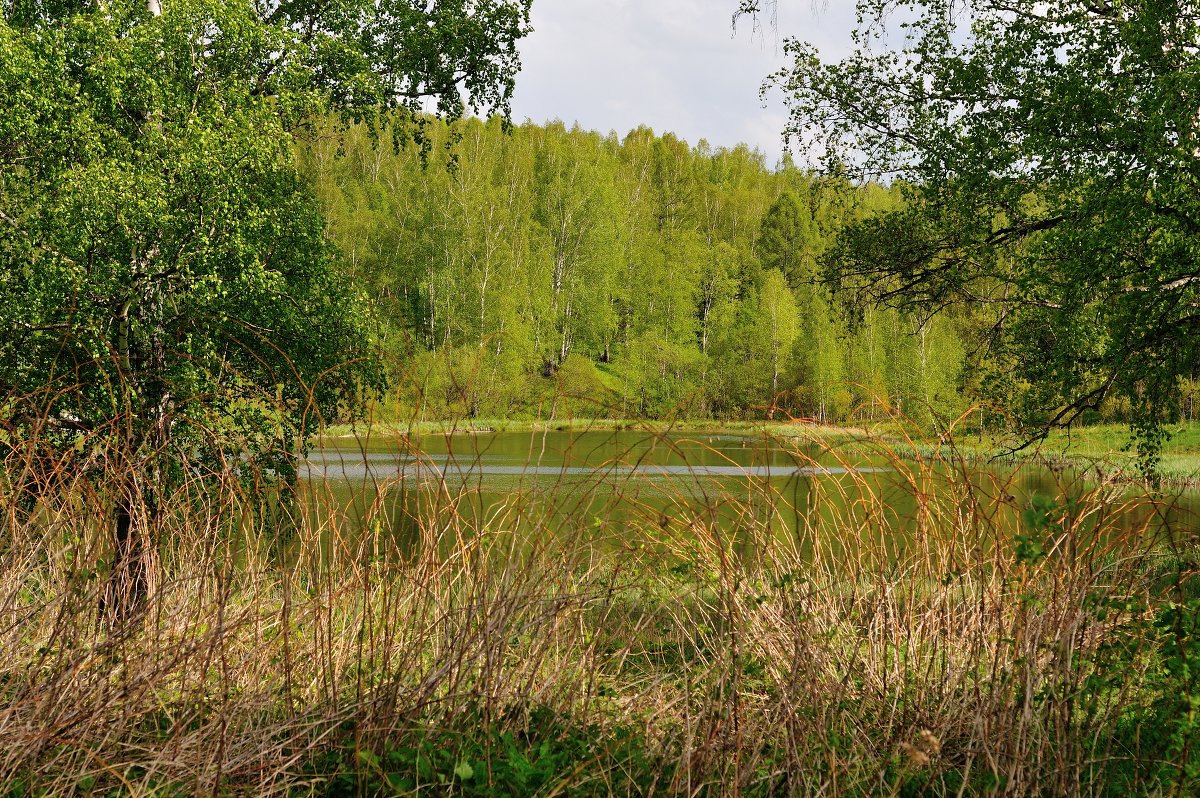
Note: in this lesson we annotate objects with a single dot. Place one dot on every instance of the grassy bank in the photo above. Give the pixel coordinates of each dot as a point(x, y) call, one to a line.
point(1112, 443)
point(1105, 450)
point(476, 425)
point(827, 433)
point(355, 648)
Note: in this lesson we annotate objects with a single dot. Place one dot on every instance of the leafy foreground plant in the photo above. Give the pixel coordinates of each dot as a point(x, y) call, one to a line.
point(545, 755)
point(416, 639)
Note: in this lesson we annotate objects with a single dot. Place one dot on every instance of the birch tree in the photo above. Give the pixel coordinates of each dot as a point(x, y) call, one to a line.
point(1050, 153)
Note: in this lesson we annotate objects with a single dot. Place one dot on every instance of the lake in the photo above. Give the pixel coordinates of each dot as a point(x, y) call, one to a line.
point(629, 486)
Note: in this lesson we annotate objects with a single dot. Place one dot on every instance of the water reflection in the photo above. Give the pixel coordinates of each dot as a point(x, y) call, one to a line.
point(628, 487)
point(340, 464)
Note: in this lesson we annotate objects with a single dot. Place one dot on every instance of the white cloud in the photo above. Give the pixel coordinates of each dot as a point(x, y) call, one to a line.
point(675, 65)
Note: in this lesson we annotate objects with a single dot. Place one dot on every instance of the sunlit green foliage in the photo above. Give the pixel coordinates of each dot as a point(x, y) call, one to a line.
point(1050, 150)
point(687, 279)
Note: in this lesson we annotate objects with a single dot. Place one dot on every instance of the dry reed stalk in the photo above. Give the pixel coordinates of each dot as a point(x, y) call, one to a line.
point(830, 660)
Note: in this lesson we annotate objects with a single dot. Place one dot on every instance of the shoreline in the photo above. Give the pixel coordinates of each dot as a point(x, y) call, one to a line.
point(1094, 454)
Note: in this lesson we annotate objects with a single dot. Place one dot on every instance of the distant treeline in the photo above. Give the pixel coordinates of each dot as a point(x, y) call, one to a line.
point(545, 272)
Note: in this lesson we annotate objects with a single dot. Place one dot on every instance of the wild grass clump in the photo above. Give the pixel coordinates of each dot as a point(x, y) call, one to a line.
point(407, 638)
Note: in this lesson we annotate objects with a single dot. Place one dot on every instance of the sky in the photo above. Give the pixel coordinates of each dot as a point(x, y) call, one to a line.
point(675, 65)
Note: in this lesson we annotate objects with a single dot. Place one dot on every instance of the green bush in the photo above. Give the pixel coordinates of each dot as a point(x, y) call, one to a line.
point(546, 754)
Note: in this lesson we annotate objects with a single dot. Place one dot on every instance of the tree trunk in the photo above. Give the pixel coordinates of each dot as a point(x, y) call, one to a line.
point(142, 447)
point(133, 569)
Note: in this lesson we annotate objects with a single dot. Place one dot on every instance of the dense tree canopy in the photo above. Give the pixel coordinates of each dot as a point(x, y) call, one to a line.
point(1051, 155)
point(166, 292)
point(789, 240)
point(556, 272)
point(157, 251)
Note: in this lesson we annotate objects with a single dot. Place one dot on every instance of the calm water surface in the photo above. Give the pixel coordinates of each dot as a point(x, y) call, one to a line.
point(629, 480)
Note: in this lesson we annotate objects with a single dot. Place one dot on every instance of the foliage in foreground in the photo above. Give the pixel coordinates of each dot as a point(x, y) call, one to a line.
point(420, 638)
point(1050, 154)
point(162, 267)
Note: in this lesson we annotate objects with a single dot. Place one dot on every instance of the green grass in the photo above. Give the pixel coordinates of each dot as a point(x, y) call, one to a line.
point(538, 753)
point(1114, 440)
point(830, 433)
point(1107, 448)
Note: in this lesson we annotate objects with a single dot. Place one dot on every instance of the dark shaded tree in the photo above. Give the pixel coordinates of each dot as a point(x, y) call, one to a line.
point(168, 305)
point(787, 240)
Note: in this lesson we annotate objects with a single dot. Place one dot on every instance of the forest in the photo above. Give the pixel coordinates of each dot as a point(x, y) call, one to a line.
point(541, 272)
point(357, 440)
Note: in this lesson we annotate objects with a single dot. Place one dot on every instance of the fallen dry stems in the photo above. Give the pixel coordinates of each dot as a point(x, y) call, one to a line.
point(844, 654)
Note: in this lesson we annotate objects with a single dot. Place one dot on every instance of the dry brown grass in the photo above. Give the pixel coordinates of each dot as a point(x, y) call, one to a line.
point(850, 658)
